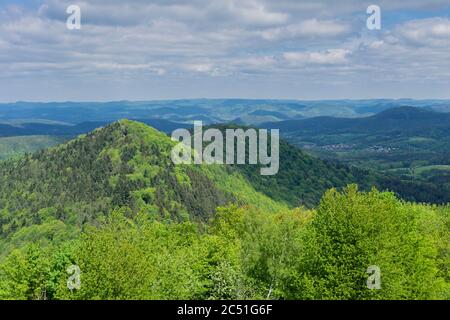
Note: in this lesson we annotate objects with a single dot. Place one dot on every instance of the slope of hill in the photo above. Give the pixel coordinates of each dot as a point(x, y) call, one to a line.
point(303, 179)
point(18, 138)
point(11, 147)
point(127, 164)
point(112, 204)
point(124, 164)
point(405, 142)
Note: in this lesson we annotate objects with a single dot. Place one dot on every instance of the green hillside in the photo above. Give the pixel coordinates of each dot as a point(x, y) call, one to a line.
point(124, 164)
point(128, 164)
point(397, 142)
point(138, 227)
point(12, 147)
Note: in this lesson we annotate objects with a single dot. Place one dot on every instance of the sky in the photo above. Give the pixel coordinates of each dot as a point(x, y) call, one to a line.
point(261, 49)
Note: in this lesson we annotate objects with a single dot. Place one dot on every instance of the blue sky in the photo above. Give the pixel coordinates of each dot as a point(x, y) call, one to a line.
point(170, 49)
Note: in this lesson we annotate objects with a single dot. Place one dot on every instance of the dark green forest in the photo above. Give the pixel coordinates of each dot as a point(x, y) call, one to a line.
point(139, 227)
point(406, 143)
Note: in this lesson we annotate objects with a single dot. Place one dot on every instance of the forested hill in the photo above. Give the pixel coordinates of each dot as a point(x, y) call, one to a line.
point(138, 227)
point(303, 179)
point(126, 164)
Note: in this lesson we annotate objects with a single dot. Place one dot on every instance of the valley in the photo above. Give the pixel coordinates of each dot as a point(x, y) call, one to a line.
point(406, 142)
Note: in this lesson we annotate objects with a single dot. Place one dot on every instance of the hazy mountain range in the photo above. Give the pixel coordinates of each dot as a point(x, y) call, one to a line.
point(410, 142)
point(139, 226)
point(209, 111)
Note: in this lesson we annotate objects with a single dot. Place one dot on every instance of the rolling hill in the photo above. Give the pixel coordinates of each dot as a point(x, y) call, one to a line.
point(123, 164)
point(406, 120)
point(139, 227)
point(12, 147)
point(209, 110)
point(36, 129)
point(401, 141)
point(127, 164)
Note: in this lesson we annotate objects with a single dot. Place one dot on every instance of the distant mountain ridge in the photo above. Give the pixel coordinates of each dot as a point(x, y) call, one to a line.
point(211, 111)
point(405, 119)
point(34, 129)
point(402, 118)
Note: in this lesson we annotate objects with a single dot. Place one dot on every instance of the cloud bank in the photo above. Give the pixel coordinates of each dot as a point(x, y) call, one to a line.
point(223, 48)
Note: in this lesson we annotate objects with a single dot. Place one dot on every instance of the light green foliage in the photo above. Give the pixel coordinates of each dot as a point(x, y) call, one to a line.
point(33, 272)
point(49, 233)
point(139, 259)
point(235, 184)
point(113, 203)
point(352, 231)
point(245, 253)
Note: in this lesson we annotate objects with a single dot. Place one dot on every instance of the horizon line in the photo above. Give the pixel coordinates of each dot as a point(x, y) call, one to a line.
point(218, 99)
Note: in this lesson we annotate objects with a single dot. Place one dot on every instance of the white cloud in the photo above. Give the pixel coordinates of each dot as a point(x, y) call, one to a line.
point(307, 28)
point(216, 39)
point(199, 67)
point(255, 12)
point(331, 56)
point(425, 32)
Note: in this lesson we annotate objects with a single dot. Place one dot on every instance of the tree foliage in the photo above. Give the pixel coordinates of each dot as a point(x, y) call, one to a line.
point(138, 227)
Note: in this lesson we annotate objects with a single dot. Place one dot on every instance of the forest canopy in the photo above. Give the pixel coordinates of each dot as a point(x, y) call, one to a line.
point(245, 253)
point(127, 223)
